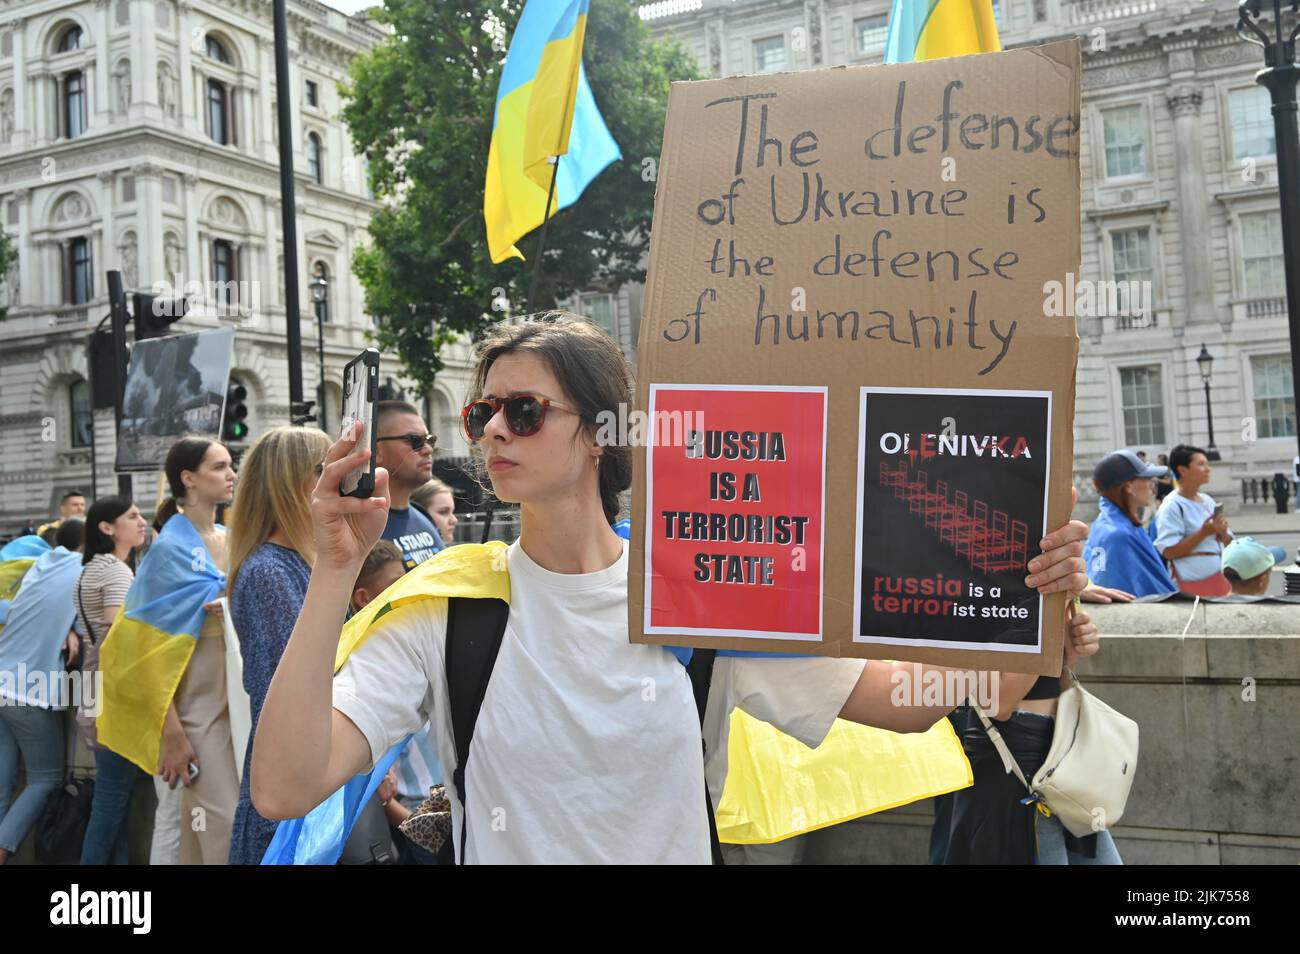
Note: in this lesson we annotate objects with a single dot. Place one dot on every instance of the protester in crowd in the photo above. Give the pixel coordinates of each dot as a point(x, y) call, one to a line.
point(1119, 553)
point(381, 568)
point(991, 822)
point(404, 448)
point(1248, 565)
point(271, 552)
point(1165, 484)
point(437, 499)
point(1189, 532)
point(37, 646)
point(566, 749)
point(71, 504)
point(193, 746)
point(113, 527)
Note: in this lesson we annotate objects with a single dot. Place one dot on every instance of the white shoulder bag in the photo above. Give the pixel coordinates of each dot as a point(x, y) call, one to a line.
point(1089, 769)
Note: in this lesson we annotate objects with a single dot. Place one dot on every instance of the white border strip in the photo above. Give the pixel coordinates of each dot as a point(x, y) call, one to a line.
point(649, 509)
point(857, 541)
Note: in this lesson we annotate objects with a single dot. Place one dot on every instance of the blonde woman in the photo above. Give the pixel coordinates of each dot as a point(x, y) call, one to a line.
point(271, 554)
point(437, 499)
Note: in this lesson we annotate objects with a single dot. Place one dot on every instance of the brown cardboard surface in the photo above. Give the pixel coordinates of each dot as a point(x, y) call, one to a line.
point(737, 154)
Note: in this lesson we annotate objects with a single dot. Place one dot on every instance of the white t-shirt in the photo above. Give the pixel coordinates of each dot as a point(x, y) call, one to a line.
point(587, 748)
point(1177, 519)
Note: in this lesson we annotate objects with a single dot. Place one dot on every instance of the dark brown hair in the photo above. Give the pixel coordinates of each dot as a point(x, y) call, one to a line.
point(186, 454)
point(591, 369)
point(381, 554)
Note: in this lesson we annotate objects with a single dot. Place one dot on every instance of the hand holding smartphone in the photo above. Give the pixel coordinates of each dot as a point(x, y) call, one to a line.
point(360, 388)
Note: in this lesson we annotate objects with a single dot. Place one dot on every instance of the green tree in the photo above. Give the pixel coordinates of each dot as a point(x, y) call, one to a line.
point(420, 108)
point(8, 255)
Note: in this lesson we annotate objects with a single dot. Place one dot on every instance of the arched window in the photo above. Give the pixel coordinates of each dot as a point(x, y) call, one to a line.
point(221, 120)
point(216, 50)
point(83, 419)
point(225, 272)
point(313, 156)
point(78, 287)
point(70, 40)
point(74, 104)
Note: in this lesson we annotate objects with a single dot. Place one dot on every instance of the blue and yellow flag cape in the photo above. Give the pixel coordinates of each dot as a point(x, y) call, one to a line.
point(471, 570)
point(933, 29)
point(776, 786)
point(145, 653)
point(16, 558)
point(544, 108)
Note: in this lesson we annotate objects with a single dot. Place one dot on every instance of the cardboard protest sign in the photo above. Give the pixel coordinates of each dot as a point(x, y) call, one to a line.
point(845, 323)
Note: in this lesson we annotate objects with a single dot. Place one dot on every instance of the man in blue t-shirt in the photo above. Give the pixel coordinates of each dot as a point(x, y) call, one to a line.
point(404, 447)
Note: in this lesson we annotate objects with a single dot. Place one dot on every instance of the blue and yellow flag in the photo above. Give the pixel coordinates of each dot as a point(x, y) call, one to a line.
point(145, 653)
point(933, 29)
point(470, 570)
point(16, 558)
point(544, 108)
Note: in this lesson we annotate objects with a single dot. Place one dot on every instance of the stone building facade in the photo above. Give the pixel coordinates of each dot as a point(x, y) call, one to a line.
point(1179, 183)
point(140, 135)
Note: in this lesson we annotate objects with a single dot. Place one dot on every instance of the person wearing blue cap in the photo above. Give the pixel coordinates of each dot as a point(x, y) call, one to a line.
point(1247, 563)
point(1118, 552)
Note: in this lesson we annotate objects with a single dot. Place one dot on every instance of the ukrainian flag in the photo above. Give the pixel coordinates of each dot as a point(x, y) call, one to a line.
point(933, 29)
point(145, 653)
point(544, 108)
point(16, 558)
point(473, 570)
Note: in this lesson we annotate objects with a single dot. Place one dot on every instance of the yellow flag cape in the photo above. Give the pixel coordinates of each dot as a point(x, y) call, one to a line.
point(776, 786)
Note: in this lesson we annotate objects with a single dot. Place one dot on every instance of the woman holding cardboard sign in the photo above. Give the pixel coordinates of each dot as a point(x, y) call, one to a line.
point(587, 746)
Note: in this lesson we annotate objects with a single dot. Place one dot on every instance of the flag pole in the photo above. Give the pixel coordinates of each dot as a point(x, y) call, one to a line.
point(541, 240)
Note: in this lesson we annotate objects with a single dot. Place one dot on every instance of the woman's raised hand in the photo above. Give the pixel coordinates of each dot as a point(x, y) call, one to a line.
point(346, 528)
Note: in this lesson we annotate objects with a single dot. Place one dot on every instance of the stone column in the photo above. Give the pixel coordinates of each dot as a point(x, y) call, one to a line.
point(191, 115)
point(193, 261)
point(22, 132)
point(271, 218)
point(22, 197)
point(265, 73)
point(108, 260)
point(1184, 101)
point(149, 205)
point(104, 92)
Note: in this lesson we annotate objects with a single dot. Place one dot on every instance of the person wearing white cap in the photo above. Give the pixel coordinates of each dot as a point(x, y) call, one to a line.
point(1246, 564)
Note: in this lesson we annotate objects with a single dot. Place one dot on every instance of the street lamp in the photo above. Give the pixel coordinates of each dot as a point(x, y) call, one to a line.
point(1204, 362)
point(319, 288)
point(1280, 76)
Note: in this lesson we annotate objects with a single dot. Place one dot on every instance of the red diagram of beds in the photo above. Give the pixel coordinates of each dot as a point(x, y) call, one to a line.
point(989, 540)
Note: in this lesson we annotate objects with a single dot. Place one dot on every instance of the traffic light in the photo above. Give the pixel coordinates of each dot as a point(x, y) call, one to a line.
point(233, 427)
point(152, 314)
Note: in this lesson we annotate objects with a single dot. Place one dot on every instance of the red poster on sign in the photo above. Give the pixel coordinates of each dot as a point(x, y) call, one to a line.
point(735, 497)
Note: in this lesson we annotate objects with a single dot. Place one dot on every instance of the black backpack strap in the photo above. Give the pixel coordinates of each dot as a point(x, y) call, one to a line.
point(474, 631)
point(700, 672)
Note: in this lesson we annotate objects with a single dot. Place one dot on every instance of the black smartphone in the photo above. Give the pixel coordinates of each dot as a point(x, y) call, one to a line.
point(360, 386)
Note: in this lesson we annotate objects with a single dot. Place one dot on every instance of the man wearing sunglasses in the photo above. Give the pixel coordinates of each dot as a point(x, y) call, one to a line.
point(404, 447)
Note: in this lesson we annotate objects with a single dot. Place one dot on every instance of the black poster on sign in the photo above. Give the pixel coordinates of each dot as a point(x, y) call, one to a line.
point(952, 505)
